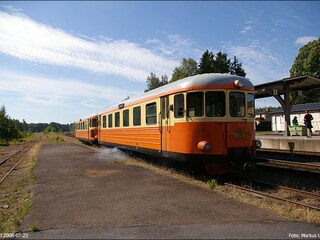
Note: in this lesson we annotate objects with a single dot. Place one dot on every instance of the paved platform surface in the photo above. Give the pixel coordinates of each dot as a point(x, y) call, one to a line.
point(81, 195)
point(280, 142)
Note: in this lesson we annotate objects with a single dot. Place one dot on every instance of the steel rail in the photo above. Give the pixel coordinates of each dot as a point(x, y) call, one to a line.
point(26, 145)
point(258, 193)
point(305, 193)
point(290, 163)
point(21, 158)
point(7, 174)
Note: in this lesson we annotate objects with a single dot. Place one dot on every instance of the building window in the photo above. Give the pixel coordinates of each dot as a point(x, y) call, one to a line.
point(237, 104)
point(151, 113)
point(117, 119)
point(215, 104)
point(104, 121)
point(195, 104)
point(179, 106)
point(110, 120)
point(125, 118)
point(137, 116)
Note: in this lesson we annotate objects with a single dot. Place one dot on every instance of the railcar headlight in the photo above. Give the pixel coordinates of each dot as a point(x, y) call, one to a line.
point(238, 83)
point(258, 144)
point(204, 146)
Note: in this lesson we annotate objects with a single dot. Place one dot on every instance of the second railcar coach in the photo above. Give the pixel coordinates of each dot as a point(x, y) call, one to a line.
point(86, 129)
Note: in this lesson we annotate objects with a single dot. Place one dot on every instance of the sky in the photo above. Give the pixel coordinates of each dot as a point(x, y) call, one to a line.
point(61, 61)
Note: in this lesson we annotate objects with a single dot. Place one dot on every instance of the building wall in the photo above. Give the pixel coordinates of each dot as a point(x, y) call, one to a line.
point(278, 122)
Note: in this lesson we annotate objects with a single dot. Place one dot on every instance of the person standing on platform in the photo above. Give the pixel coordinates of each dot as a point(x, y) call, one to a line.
point(295, 121)
point(307, 121)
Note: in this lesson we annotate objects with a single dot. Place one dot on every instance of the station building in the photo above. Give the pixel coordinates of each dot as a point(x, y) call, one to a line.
point(298, 110)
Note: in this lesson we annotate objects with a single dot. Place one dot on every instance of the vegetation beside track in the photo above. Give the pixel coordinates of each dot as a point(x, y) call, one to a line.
point(16, 192)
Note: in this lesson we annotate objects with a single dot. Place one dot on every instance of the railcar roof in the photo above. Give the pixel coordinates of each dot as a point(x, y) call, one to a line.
point(185, 83)
point(87, 117)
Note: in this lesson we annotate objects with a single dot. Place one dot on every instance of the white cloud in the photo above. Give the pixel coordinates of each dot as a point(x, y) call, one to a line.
point(246, 29)
point(175, 46)
point(259, 62)
point(26, 39)
point(304, 40)
point(53, 92)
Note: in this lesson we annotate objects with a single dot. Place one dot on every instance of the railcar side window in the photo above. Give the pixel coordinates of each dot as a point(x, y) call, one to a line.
point(137, 116)
point(250, 105)
point(125, 118)
point(237, 104)
point(117, 119)
point(94, 122)
point(104, 121)
point(179, 106)
point(215, 104)
point(195, 104)
point(151, 113)
point(110, 120)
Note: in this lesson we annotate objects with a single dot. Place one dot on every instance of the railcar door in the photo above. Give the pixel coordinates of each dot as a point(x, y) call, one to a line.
point(239, 126)
point(164, 124)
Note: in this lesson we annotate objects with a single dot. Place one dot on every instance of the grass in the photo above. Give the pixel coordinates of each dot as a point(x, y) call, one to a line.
point(267, 133)
point(53, 138)
point(16, 193)
point(212, 183)
point(34, 227)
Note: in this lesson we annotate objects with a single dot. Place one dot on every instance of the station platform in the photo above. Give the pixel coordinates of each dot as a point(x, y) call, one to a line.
point(302, 144)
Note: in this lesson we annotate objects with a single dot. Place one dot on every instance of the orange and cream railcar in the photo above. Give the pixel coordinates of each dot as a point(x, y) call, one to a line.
point(207, 119)
point(86, 130)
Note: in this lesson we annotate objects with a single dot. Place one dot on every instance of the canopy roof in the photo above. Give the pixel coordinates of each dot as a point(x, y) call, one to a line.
point(302, 83)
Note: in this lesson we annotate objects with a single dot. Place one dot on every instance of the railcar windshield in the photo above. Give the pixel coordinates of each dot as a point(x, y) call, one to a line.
point(195, 104)
point(250, 105)
point(215, 104)
point(237, 104)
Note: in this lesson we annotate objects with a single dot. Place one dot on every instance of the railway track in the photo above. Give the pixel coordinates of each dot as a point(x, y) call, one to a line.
point(9, 164)
point(293, 196)
point(303, 166)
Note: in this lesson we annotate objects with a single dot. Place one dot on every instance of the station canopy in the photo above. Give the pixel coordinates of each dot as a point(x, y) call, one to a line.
point(293, 84)
point(284, 88)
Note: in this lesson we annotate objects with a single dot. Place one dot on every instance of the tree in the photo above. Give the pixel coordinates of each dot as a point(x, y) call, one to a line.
point(236, 68)
point(308, 63)
point(8, 129)
point(154, 82)
point(206, 63)
point(187, 68)
point(49, 129)
point(221, 63)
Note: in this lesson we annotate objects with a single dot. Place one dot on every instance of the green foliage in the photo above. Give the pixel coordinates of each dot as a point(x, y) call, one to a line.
point(11, 129)
point(187, 68)
point(154, 82)
point(221, 63)
point(34, 227)
point(8, 128)
point(206, 62)
point(210, 63)
point(212, 183)
point(236, 68)
point(308, 63)
point(50, 129)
